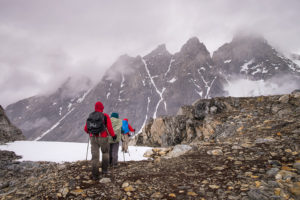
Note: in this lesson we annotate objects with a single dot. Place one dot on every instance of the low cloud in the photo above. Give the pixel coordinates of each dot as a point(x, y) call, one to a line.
point(241, 87)
point(44, 42)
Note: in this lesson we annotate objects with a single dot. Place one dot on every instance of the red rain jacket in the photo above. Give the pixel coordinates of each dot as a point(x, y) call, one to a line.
point(99, 108)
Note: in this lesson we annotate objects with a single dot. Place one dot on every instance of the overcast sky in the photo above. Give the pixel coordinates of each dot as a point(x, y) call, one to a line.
point(44, 42)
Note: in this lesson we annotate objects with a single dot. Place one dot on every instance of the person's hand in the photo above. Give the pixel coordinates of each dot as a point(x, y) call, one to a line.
point(114, 137)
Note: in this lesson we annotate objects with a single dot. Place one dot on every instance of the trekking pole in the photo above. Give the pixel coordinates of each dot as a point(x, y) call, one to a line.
point(124, 156)
point(87, 149)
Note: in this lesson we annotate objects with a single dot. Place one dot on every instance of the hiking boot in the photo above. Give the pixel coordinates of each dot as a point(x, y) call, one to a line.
point(95, 174)
point(95, 178)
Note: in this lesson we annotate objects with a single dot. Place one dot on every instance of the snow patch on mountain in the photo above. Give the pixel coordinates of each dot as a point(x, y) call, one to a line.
point(169, 67)
point(245, 66)
point(146, 117)
point(172, 80)
point(83, 96)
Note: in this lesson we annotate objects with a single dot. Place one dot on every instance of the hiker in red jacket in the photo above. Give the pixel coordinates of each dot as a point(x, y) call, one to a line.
point(100, 140)
point(126, 128)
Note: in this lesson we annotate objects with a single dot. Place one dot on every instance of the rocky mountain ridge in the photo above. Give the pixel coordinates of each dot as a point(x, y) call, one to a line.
point(8, 132)
point(241, 148)
point(143, 88)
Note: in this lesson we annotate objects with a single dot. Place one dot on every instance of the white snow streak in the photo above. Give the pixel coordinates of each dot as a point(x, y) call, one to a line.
point(161, 99)
point(123, 80)
point(121, 86)
point(160, 93)
point(208, 90)
point(227, 61)
point(83, 96)
point(169, 67)
point(145, 116)
point(200, 92)
point(207, 84)
point(60, 109)
point(245, 66)
point(172, 80)
point(54, 126)
point(69, 106)
point(107, 95)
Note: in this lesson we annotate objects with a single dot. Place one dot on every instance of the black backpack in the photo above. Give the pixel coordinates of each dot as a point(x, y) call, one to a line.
point(96, 123)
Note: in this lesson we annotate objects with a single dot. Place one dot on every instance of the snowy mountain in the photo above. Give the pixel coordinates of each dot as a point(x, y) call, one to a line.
point(141, 88)
point(253, 58)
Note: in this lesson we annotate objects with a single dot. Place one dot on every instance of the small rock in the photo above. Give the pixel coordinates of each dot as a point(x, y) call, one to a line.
point(125, 184)
point(64, 192)
point(284, 98)
point(214, 186)
point(215, 152)
point(235, 147)
point(129, 189)
point(272, 172)
point(277, 191)
point(172, 195)
point(264, 140)
point(191, 193)
point(105, 180)
point(157, 195)
point(238, 162)
point(77, 192)
point(295, 189)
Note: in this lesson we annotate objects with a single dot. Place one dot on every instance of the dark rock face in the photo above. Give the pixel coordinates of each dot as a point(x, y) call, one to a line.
point(8, 132)
point(222, 118)
point(142, 88)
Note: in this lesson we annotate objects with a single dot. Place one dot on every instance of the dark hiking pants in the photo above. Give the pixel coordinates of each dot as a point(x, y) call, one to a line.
point(113, 153)
point(96, 143)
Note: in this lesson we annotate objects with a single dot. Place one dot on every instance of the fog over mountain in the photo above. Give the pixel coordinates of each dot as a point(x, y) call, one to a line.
point(43, 43)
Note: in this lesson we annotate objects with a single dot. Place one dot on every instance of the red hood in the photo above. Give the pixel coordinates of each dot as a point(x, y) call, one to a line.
point(99, 107)
point(125, 119)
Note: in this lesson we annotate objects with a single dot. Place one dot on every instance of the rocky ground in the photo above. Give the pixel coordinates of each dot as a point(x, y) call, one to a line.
point(257, 157)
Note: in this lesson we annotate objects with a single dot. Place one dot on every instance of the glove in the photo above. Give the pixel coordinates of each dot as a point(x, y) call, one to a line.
point(114, 137)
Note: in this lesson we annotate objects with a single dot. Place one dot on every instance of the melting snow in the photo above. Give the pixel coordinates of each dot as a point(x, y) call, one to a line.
point(172, 80)
point(54, 103)
point(145, 116)
point(227, 61)
point(83, 96)
point(245, 66)
point(123, 80)
point(160, 93)
point(257, 71)
point(107, 95)
point(206, 84)
point(169, 67)
point(69, 106)
point(60, 109)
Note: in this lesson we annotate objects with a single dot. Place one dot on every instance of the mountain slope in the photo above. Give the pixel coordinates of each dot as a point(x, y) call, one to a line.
point(142, 88)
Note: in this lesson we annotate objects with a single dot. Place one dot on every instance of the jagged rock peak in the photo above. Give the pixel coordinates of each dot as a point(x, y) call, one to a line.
point(193, 46)
point(159, 50)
